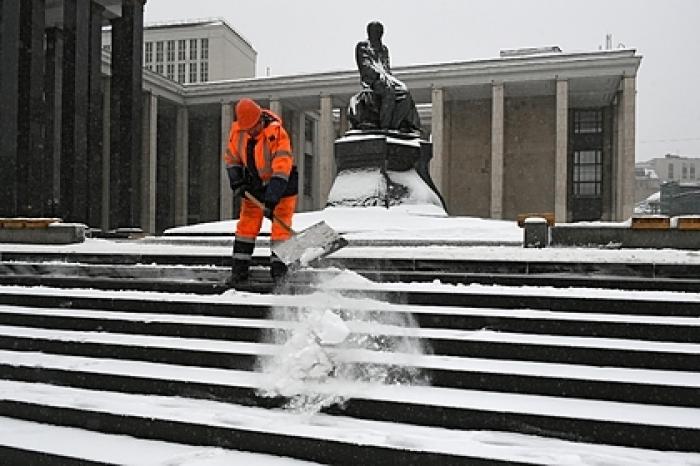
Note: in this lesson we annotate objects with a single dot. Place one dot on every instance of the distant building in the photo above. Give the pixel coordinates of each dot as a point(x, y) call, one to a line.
point(672, 167)
point(194, 51)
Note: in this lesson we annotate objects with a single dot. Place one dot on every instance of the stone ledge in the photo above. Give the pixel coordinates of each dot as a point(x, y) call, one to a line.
point(624, 237)
point(54, 233)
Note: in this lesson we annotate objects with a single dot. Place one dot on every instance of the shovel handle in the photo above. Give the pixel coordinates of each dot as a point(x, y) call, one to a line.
point(261, 206)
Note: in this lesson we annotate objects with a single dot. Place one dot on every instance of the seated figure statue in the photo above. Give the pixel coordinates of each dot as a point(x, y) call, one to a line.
point(384, 102)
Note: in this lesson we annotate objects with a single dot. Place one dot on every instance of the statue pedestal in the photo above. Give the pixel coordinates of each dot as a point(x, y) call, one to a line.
point(382, 168)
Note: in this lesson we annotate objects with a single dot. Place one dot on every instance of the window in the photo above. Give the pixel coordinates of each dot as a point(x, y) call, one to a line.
point(159, 68)
point(171, 50)
point(588, 121)
point(149, 67)
point(148, 56)
point(670, 171)
point(181, 72)
point(692, 172)
point(181, 44)
point(204, 71)
point(587, 173)
point(159, 51)
point(193, 72)
point(193, 49)
point(171, 71)
point(205, 49)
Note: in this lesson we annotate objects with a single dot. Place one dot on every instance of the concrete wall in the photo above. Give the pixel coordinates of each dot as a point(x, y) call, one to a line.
point(529, 155)
point(469, 147)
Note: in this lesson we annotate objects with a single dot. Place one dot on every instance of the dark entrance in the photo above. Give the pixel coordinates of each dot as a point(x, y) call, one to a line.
point(587, 162)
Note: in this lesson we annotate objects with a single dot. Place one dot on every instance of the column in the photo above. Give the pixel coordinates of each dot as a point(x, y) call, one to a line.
point(497, 114)
point(126, 103)
point(95, 118)
point(298, 146)
point(104, 197)
point(30, 129)
point(74, 147)
point(225, 194)
point(9, 86)
point(276, 106)
point(149, 164)
point(181, 165)
point(324, 160)
point(344, 123)
point(437, 130)
point(53, 85)
point(625, 148)
point(561, 174)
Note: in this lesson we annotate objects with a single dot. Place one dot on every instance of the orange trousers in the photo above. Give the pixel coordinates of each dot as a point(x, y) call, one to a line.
point(250, 221)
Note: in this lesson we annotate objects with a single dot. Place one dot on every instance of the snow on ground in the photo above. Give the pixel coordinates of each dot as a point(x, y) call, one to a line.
point(487, 444)
point(413, 221)
point(425, 226)
point(123, 449)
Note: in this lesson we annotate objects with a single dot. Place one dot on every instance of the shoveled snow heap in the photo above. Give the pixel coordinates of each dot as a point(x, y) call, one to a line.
point(317, 350)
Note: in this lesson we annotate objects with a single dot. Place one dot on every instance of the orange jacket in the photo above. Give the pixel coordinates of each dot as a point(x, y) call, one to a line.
point(273, 150)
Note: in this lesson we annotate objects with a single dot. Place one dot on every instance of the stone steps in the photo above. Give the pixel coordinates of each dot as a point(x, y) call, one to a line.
point(591, 387)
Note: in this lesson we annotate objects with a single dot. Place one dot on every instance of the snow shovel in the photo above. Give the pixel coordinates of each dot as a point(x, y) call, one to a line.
point(315, 242)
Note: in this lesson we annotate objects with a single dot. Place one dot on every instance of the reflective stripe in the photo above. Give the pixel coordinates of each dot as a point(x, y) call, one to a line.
point(243, 239)
point(282, 153)
point(242, 256)
point(281, 175)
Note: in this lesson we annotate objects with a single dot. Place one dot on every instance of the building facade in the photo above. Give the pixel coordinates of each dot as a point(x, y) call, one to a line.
point(672, 167)
point(531, 132)
point(71, 139)
point(194, 51)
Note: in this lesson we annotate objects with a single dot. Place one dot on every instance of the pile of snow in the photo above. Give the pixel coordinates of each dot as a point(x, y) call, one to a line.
point(401, 222)
point(313, 352)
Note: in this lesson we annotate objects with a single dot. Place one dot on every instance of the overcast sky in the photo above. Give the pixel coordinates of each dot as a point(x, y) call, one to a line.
point(302, 36)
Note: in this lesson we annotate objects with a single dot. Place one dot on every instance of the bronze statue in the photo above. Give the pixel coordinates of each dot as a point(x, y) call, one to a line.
point(384, 102)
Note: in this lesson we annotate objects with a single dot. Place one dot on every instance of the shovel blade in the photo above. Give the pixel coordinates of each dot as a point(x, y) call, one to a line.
point(313, 243)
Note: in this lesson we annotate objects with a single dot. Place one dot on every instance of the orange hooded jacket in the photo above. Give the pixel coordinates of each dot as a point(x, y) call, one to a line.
point(273, 150)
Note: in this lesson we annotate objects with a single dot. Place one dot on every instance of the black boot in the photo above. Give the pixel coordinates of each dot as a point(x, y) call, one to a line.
point(278, 270)
point(239, 272)
point(242, 255)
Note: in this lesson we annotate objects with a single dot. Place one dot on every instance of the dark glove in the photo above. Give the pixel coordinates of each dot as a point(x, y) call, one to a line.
point(237, 179)
point(269, 209)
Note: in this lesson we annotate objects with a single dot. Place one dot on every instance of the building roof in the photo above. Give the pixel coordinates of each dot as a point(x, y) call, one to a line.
point(194, 23)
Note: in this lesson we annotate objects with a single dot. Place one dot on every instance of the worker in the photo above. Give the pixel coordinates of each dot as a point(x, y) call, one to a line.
point(259, 161)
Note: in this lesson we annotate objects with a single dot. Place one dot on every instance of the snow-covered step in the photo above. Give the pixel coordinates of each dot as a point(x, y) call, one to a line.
point(24, 442)
point(482, 343)
point(624, 424)
point(159, 322)
point(49, 442)
point(580, 300)
point(535, 297)
point(613, 384)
